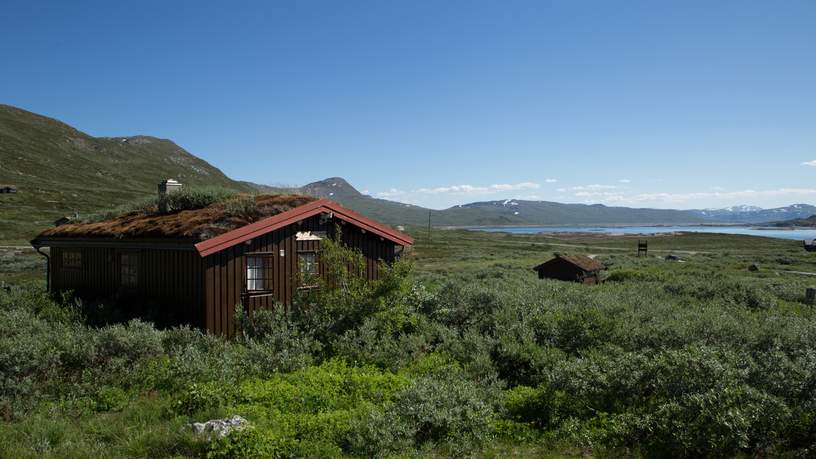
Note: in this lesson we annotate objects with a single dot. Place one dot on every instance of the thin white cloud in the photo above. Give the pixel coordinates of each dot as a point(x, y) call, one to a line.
point(680, 198)
point(624, 180)
point(621, 195)
point(550, 180)
point(390, 193)
point(462, 190)
point(594, 186)
point(810, 163)
point(470, 189)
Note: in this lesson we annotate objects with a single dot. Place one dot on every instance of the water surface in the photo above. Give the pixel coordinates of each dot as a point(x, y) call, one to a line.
point(796, 234)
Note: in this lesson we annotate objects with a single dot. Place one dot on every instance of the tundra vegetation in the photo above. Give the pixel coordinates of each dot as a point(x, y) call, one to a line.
point(458, 351)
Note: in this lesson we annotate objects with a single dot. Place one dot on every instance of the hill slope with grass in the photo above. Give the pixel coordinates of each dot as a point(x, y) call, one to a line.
point(59, 170)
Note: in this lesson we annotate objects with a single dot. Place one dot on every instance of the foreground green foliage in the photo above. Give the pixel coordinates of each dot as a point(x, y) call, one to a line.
point(696, 359)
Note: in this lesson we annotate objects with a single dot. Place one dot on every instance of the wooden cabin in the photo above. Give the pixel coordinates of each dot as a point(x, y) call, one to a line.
point(195, 266)
point(576, 268)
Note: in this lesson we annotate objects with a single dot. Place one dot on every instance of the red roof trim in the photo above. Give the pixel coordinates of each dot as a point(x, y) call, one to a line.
point(289, 217)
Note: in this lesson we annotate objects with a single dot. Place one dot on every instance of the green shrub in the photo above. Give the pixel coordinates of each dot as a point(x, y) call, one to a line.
point(377, 433)
point(111, 398)
point(448, 411)
point(626, 275)
point(197, 198)
point(369, 345)
point(248, 443)
point(539, 407)
point(345, 298)
point(242, 206)
point(462, 308)
point(724, 290)
point(516, 432)
point(205, 397)
point(275, 343)
point(309, 412)
point(717, 423)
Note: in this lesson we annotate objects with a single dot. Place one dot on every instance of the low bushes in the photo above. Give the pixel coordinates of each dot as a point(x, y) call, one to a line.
point(336, 409)
point(683, 367)
point(184, 199)
point(198, 198)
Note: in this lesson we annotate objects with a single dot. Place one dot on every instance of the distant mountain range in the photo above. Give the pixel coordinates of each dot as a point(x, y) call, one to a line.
point(802, 222)
point(518, 212)
point(59, 171)
point(752, 214)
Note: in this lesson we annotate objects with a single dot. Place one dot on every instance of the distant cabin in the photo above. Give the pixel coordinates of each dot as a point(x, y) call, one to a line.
point(195, 266)
point(576, 268)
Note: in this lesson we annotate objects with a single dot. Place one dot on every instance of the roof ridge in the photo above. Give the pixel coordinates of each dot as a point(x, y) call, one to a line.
point(244, 233)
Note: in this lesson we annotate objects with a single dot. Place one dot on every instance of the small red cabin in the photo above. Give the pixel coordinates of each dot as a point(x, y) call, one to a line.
point(194, 266)
point(576, 268)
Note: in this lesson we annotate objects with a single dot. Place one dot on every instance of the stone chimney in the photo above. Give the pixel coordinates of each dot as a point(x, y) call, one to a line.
point(165, 188)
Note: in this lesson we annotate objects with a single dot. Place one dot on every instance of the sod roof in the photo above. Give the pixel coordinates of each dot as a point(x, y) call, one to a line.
point(198, 224)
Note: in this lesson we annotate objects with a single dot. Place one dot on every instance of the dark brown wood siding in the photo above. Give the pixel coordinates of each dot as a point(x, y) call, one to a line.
point(169, 280)
point(562, 270)
point(225, 271)
point(204, 292)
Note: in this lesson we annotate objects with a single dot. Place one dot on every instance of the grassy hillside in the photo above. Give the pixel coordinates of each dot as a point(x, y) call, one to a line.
point(59, 170)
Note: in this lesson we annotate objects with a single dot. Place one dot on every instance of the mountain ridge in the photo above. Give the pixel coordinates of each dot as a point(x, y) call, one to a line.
point(59, 170)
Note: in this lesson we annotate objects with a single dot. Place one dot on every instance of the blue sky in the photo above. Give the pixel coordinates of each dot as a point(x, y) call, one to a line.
point(650, 104)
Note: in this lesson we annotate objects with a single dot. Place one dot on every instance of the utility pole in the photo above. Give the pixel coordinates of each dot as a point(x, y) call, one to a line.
point(429, 225)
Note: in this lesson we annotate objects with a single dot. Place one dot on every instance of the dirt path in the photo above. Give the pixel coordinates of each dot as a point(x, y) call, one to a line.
point(802, 273)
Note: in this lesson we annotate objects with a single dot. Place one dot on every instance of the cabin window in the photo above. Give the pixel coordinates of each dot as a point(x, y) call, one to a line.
point(258, 273)
point(307, 263)
point(130, 270)
point(72, 259)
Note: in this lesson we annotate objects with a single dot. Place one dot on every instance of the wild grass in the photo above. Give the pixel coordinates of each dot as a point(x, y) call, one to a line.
point(471, 355)
point(184, 199)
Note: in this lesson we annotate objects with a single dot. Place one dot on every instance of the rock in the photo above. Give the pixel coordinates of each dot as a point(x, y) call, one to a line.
point(221, 427)
point(672, 258)
point(753, 267)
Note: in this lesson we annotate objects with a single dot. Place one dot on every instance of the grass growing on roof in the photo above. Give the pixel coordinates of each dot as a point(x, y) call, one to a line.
point(198, 214)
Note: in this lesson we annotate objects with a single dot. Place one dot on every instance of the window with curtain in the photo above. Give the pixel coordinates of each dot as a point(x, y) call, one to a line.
point(130, 270)
point(258, 273)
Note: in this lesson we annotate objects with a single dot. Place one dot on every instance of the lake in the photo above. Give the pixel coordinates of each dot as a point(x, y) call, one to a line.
point(796, 234)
